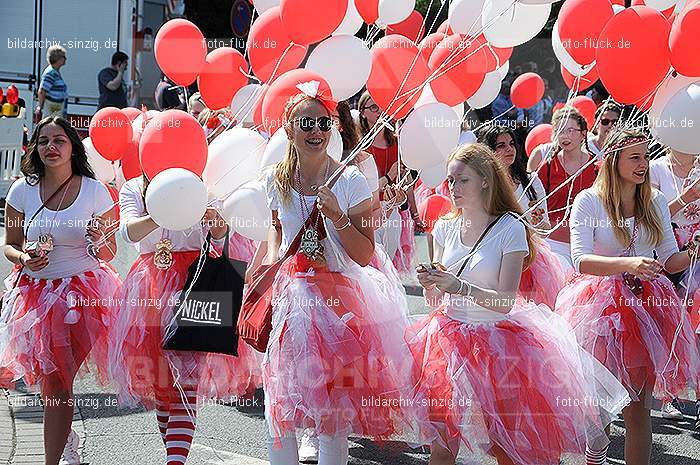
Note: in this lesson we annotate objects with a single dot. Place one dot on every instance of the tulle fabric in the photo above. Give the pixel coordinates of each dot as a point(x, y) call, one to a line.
point(139, 365)
point(422, 192)
point(521, 383)
point(335, 352)
point(49, 328)
point(646, 342)
point(404, 254)
point(241, 248)
point(543, 280)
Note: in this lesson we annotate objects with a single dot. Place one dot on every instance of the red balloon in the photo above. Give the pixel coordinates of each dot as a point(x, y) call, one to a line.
point(540, 134)
point(392, 58)
point(173, 139)
point(632, 71)
point(580, 23)
point(557, 106)
point(257, 106)
point(495, 56)
point(131, 112)
point(180, 51)
point(668, 13)
point(12, 94)
point(461, 63)
point(586, 106)
point(222, 76)
point(684, 40)
point(411, 27)
point(310, 21)
point(584, 82)
point(270, 49)
point(368, 9)
point(110, 132)
point(114, 194)
point(432, 208)
point(428, 45)
point(283, 89)
point(131, 164)
point(527, 90)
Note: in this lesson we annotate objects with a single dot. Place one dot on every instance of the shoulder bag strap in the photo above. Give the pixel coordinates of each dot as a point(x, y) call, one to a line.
point(476, 244)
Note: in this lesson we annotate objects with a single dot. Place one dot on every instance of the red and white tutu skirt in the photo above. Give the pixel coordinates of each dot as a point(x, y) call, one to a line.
point(140, 367)
point(521, 383)
point(422, 192)
point(689, 286)
point(403, 257)
point(48, 328)
point(543, 280)
point(646, 342)
point(241, 248)
point(336, 360)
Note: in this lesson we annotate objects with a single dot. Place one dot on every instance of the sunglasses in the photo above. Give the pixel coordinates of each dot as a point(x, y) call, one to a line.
point(606, 121)
point(373, 108)
point(307, 123)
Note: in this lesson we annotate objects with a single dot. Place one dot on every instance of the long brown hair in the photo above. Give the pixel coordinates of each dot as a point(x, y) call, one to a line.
point(364, 124)
point(499, 197)
point(609, 187)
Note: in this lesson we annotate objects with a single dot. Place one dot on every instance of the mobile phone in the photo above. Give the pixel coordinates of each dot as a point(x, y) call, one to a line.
point(423, 268)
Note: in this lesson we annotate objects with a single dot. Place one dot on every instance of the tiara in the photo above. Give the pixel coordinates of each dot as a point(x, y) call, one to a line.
point(627, 142)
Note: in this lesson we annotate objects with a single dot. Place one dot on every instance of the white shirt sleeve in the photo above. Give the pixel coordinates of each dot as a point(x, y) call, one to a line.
point(584, 213)
point(271, 193)
point(356, 189)
point(369, 169)
point(131, 207)
point(514, 236)
point(103, 201)
point(439, 232)
point(16, 195)
point(668, 245)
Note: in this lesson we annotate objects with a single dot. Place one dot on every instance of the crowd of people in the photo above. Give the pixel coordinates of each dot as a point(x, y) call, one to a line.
point(560, 287)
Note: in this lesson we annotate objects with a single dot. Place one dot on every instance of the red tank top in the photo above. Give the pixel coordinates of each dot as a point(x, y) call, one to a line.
point(384, 158)
point(552, 176)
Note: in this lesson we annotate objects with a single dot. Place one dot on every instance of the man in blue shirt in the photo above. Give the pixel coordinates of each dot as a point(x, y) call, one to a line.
point(53, 91)
point(110, 82)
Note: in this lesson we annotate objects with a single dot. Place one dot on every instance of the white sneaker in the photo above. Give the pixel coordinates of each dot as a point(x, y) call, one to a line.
point(308, 449)
point(670, 412)
point(70, 452)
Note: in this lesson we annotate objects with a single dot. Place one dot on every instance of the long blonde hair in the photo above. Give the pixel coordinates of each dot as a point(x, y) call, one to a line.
point(284, 170)
point(499, 196)
point(609, 187)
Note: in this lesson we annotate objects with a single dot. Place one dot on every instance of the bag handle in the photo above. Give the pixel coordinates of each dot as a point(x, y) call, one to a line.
point(476, 244)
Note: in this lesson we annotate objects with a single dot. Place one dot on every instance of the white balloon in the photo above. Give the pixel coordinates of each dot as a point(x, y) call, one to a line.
point(679, 6)
point(660, 5)
point(507, 24)
point(427, 96)
point(618, 8)
point(234, 159)
point(352, 22)
point(276, 148)
point(679, 125)
point(346, 76)
point(433, 176)
point(103, 168)
point(335, 145)
point(488, 91)
point(563, 56)
point(668, 88)
point(246, 211)
point(465, 16)
point(467, 137)
point(263, 5)
point(503, 70)
point(537, 2)
point(137, 124)
point(428, 135)
point(394, 11)
point(243, 102)
point(176, 199)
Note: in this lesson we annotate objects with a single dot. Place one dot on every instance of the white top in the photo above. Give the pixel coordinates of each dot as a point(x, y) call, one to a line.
point(662, 178)
point(351, 189)
point(598, 153)
point(524, 200)
point(506, 236)
point(132, 206)
point(592, 232)
point(368, 167)
point(67, 226)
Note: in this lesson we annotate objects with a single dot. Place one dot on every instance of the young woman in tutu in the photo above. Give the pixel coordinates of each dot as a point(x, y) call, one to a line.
point(541, 281)
point(624, 311)
point(62, 293)
point(499, 375)
point(336, 347)
point(143, 372)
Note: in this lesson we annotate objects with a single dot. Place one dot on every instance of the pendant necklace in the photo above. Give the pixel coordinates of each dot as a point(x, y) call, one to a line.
point(310, 243)
point(46, 239)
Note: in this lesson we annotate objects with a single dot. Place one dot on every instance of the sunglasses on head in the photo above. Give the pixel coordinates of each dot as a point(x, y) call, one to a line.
point(307, 123)
point(606, 121)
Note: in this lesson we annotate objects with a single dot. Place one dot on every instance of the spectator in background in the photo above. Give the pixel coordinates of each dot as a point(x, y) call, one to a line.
point(53, 91)
point(169, 95)
point(196, 104)
point(502, 107)
point(110, 82)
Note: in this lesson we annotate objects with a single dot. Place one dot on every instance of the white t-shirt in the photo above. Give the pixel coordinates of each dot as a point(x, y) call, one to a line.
point(592, 231)
point(350, 189)
point(598, 153)
point(368, 167)
point(132, 207)
point(506, 236)
point(662, 178)
point(524, 200)
point(67, 226)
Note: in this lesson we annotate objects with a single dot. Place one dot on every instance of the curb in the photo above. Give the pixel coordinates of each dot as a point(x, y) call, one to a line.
point(7, 429)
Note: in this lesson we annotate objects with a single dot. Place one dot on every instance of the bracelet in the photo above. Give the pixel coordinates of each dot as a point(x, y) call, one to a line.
point(21, 262)
point(346, 225)
point(461, 285)
point(335, 223)
point(680, 199)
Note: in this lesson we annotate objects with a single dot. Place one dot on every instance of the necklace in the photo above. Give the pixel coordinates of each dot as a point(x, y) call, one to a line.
point(310, 243)
point(46, 240)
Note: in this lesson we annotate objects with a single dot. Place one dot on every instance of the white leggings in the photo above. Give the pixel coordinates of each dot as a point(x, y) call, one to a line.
point(332, 450)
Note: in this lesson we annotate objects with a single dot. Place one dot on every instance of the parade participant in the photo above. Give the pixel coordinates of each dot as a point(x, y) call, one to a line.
point(493, 370)
point(565, 168)
point(542, 281)
point(624, 311)
point(143, 372)
point(385, 150)
point(337, 324)
point(606, 117)
point(62, 292)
